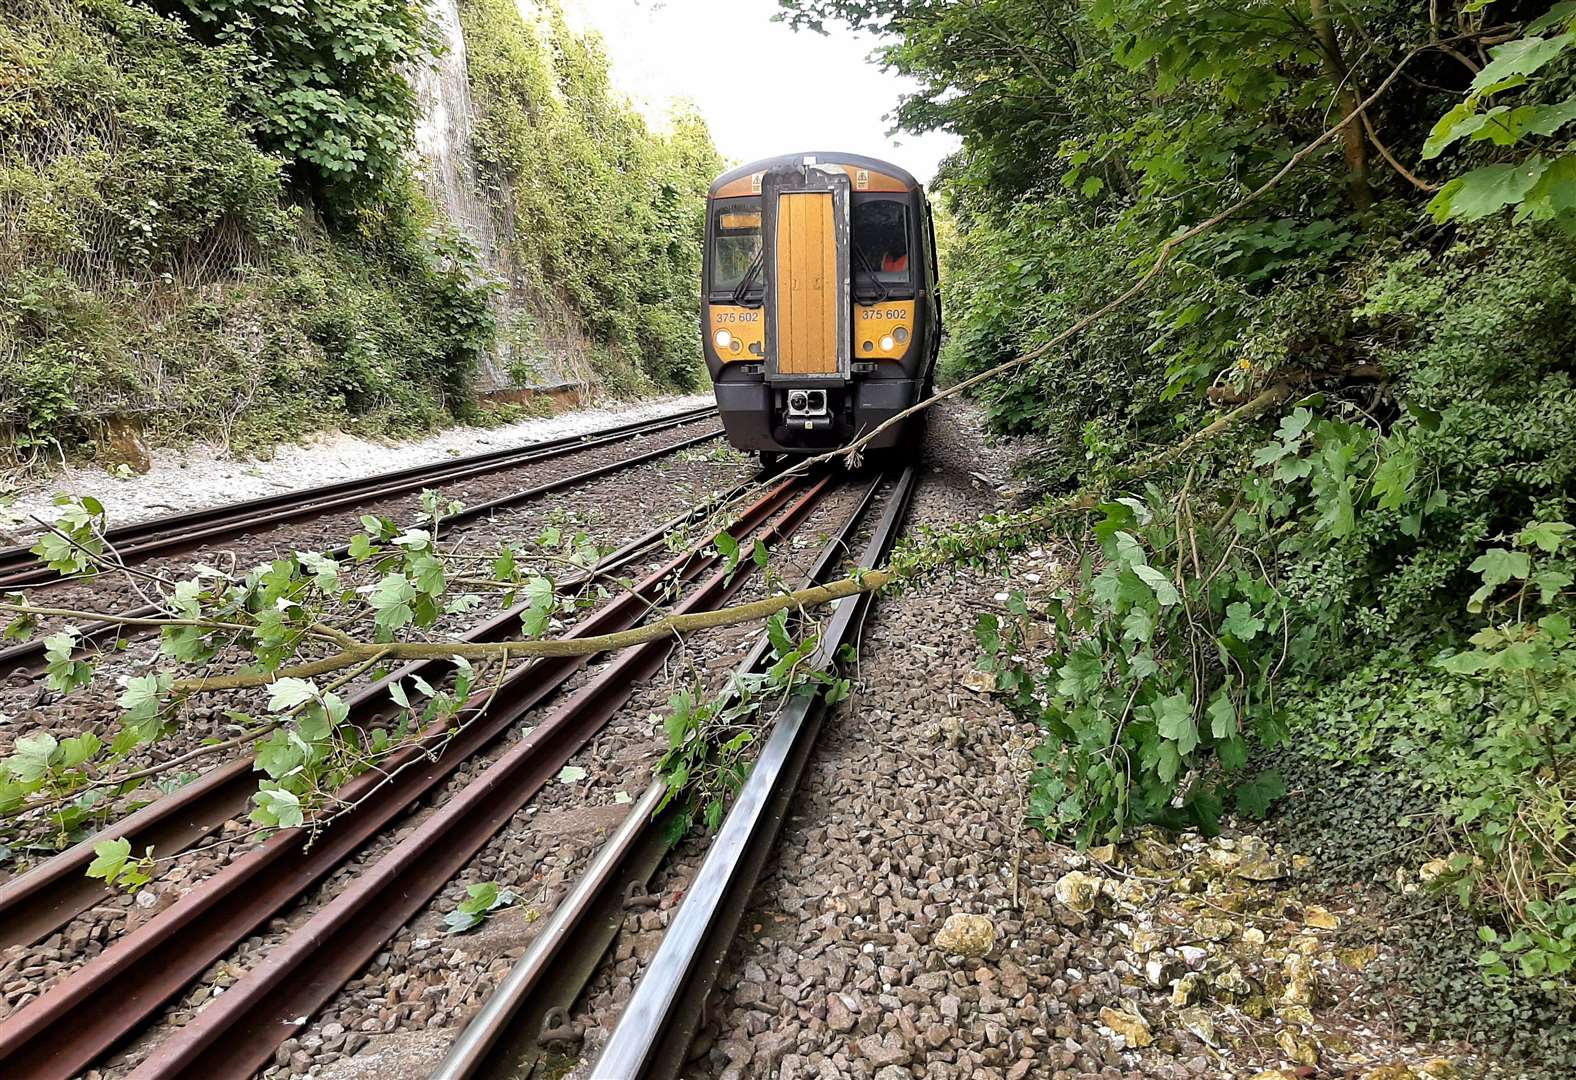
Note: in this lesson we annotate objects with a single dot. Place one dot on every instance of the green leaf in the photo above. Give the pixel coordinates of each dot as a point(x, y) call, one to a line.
point(479, 899)
point(1458, 123)
point(285, 694)
point(1222, 713)
point(1546, 536)
point(277, 807)
point(777, 633)
point(32, 756)
point(1497, 566)
point(1165, 592)
point(1486, 190)
point(1515, 60)
point(1241, 623)
point(324, 569)
point(1559, 15)
point(536, 619)
point(1254, 797)
point(142, 699)
point(428, 574)
point(74, 751)
point(1174, 720)
point(1551, 583)
point(112, 864)
point(62, 673)
point(278, 755)
point(391, 601)
point(1393, 479)
point(571, 774)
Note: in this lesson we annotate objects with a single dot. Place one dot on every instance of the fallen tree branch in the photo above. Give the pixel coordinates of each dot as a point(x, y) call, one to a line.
point(359, 652)
point(1229, 395)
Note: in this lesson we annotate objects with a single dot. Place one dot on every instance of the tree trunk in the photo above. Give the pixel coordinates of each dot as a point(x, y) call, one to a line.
point(1348, 99)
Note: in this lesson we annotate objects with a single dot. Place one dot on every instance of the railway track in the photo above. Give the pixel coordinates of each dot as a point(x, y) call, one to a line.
point(41, 901)
point(112, 997)
point(169, 535)
point(509, 1034)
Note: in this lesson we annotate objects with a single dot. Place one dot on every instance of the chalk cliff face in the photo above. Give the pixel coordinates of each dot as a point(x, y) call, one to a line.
point(445, 145)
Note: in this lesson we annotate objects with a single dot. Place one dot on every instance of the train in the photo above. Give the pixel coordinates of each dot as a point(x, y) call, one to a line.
point(821, 313)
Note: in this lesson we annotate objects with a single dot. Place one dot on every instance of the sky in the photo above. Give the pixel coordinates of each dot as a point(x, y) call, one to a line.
point(725, 56)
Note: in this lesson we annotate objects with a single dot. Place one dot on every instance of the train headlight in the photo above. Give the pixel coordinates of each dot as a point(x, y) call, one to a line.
point(723, 339)
point(887, 344)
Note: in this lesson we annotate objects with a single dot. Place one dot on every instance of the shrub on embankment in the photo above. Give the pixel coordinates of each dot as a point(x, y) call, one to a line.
point(210, 219)
point(1372, 564)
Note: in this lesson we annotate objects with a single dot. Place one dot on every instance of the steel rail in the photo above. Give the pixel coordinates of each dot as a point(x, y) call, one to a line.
point(37, 903)
point(19, 566)
point(99, 1005)
point(30, 652)
point(653, 1034)
point(237, 1034)
point(505, 1038)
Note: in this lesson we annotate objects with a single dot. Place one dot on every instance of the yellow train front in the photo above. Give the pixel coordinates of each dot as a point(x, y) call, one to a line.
point(821, 316)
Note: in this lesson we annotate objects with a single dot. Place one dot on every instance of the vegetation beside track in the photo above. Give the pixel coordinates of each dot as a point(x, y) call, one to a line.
point(209, 220)
point(1370, 574)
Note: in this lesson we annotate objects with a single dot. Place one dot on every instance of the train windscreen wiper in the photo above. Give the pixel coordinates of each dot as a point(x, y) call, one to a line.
point(881, 290)
point(748, 279)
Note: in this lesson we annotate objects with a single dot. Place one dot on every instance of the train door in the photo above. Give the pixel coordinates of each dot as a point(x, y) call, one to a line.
point(805, 213)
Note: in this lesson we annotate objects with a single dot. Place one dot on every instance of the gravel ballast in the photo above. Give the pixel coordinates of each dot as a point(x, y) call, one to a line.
point(203, 476)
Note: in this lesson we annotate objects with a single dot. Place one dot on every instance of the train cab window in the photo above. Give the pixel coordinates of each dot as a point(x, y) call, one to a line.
point(882, 258)
point(736, 241)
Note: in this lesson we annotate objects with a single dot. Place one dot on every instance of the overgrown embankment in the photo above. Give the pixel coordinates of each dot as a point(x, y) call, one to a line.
point(211, 222)
point(1358, 593)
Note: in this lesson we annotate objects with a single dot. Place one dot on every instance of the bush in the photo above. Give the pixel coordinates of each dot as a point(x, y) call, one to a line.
point(607, 215)
point(157, 260)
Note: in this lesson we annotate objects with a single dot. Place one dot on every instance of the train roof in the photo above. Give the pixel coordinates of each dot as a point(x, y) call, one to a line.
point(823, 157)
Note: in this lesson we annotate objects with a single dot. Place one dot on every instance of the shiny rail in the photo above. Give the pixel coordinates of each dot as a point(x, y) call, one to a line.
point(654, 1032)
point(509, 1035)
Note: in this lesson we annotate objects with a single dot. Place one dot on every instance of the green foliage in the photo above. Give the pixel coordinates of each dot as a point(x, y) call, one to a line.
point(112, 863)
point(324, 81)
point(1161, 672)
point(480, 900)
point(607, 215)
point(709, 738)
point(398, 579)
point(153, 253)
point(1301, 575)
point(1520, 101)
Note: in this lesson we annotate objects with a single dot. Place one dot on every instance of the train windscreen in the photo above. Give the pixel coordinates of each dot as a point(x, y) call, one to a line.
point(881, 262)
point(736, 241)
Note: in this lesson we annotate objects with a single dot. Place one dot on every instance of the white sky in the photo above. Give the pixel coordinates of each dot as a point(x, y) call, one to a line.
point(734, 63)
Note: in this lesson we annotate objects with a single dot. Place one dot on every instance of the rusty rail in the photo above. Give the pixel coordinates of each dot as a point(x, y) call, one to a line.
point(29, 654)
point(19, 566)
point(39, 902)
point(103, 1003)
